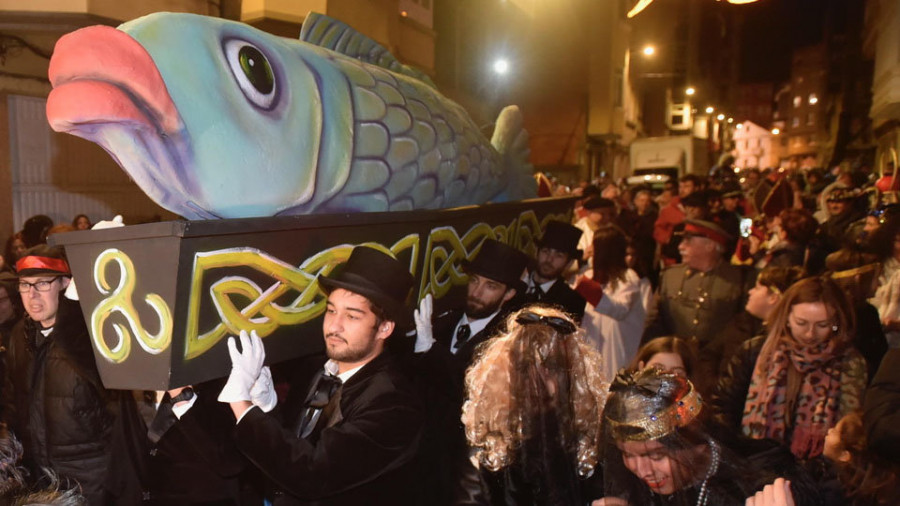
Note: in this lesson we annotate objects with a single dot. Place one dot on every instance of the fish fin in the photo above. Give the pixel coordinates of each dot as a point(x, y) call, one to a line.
point(511, 140)
point(329, 33)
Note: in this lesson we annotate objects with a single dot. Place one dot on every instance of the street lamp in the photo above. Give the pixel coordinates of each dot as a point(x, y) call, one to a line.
point(690, 91)
point(709, 109)
point(776, 131)
point(501, 66)
point(649, 50)
point(720, 117)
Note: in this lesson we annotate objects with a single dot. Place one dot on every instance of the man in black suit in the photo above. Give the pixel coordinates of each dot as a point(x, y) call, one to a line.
point(444, 349)
point(360, 422)
point(557, 248)
point(448, 342)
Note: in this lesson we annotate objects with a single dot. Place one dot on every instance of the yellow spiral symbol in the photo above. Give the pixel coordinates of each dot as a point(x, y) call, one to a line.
point(120, 300)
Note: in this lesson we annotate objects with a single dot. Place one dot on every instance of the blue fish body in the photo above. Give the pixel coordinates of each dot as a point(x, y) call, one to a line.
point(271, 126)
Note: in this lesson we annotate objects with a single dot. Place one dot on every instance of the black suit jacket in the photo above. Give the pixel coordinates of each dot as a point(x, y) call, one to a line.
point(560, 295)
point(365, 458)
point(441, 378)
point(446, 369)
point(194, 462)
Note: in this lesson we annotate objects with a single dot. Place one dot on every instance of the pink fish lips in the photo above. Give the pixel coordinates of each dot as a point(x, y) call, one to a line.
point(102, 75)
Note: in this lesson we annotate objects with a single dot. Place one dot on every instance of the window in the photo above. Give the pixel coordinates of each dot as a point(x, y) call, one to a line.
point(798, 100)
point(811, 118)
point(813, 99)
point(795, 121)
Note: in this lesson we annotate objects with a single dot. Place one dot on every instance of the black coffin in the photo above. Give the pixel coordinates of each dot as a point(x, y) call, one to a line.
point(160, 299)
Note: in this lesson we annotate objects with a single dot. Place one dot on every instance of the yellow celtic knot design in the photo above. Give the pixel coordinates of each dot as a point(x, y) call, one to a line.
point(119, 300)
point(445, 249)
point(263, 314)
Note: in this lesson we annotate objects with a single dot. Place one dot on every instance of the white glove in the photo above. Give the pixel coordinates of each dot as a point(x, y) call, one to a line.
point(424, 335)
point(113, 223)
point(72, 290)
point(245, 367)
point(262, 393)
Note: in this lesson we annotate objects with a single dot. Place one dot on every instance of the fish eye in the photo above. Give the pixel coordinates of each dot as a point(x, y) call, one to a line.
point(253, 72)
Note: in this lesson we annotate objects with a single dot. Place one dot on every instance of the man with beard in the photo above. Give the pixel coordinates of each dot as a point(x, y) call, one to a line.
point(557, 248)
point(360, 421)
point(445, 348)
point(495, 276)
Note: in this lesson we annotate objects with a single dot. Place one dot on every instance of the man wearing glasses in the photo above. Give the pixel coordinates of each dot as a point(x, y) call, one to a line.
point(53, 399)
point(360, 420)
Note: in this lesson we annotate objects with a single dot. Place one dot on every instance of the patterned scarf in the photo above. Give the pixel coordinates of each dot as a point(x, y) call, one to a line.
point(818, 402)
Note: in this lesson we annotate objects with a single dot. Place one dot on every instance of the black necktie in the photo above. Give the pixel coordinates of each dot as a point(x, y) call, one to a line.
point(462, 335)
point(537, 292)
point(320, 403)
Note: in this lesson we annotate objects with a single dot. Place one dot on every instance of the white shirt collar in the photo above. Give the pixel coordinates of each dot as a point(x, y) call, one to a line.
point(475, 326)
point(545, 287)
point(331, 367)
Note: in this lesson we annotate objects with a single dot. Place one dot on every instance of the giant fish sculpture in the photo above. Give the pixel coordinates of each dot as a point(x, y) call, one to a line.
point(215, 119)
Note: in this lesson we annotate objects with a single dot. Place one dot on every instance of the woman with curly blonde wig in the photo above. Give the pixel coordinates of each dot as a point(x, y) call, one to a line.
point(535, 397)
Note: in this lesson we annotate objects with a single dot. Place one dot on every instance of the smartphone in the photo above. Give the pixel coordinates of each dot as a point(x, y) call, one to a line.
point(746, 227)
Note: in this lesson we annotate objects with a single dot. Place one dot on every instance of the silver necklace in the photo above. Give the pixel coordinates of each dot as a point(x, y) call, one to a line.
point(703, 497)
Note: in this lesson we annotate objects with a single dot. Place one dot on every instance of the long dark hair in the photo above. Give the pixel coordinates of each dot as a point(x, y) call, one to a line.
point(866, 479)
point(667, 344)
point(610, 245)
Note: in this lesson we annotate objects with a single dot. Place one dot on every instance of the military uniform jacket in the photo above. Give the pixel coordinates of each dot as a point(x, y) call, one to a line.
point(698, 305)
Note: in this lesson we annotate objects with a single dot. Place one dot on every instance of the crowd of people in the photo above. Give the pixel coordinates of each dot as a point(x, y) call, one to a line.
point(716, 341)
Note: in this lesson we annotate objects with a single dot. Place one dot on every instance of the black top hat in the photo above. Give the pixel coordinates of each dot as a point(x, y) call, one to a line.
point(499, 262)
point(696, 199)
point(376, 276)
point(561, 237)
point(598, 202)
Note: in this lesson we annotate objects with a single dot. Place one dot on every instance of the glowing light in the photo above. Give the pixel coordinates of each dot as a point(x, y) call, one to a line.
point(720, 117)
point(690, 91)
point(638, 7)
point(731, 120)
point(710, 109)
point(813, 99)
point(404, 14)
point(501, 66)
point(649, 50)
point(776, 131)
point(739, 126)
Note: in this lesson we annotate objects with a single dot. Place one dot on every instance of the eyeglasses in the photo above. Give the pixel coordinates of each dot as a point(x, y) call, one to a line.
point(559, 324)
point(41, 286)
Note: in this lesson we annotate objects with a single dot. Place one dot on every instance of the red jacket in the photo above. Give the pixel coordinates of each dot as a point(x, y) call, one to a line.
point(669, 216)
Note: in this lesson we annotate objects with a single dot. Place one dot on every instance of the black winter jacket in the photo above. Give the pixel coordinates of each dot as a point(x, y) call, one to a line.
point(54, 401)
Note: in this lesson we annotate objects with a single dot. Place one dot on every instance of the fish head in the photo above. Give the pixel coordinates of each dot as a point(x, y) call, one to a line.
point(211, 118)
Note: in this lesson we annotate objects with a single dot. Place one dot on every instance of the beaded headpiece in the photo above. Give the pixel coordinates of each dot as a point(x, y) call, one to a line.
point(647, 421)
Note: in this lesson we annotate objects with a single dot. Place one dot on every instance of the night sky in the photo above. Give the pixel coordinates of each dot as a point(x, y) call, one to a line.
point(773, 28)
